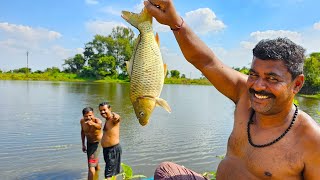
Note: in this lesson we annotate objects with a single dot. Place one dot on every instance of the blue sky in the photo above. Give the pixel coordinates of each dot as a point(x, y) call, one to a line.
point(52, 31)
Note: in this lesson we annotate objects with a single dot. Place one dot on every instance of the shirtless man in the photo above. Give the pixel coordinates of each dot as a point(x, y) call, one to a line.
point(110, 140)
point(271, 137)
point(91, 130)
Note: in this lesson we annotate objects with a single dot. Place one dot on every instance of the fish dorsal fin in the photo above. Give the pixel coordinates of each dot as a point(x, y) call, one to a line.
point(157, 39)
point(163, 103)
point(155, 48)
point(165, 70)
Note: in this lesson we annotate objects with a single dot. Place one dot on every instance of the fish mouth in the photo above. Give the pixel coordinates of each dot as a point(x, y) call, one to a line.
point(143, 123)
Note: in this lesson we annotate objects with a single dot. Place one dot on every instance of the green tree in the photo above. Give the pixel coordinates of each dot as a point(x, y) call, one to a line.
point(175, 74)
point(74, 64)
point(113, 49)
point(22, 70)
point(243, 70)
point(312, 74)
point(52, 70)
point(87, 72)
point(38, 71)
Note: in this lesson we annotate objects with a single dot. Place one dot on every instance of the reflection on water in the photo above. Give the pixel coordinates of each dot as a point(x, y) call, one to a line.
point(40, 129)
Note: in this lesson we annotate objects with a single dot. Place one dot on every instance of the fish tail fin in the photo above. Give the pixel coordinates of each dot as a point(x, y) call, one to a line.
point(135, 19)
point(163, 103)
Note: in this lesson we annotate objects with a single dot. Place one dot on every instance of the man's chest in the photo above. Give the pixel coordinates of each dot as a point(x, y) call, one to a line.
point(282, 159)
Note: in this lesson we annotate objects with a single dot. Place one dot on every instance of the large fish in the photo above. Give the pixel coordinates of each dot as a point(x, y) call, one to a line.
point(146, 68)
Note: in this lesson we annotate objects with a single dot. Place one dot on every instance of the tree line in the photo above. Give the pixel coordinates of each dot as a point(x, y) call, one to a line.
point(105, 56)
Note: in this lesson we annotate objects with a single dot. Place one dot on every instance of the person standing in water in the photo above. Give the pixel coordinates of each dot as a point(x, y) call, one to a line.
point(91, 131)
point(111, 140)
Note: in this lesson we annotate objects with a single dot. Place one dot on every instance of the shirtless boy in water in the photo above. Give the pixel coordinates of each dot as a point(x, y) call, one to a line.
point(110, 140)
point(91, 130)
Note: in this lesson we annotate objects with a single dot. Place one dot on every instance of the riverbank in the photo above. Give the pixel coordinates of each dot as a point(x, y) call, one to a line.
point(75, 78)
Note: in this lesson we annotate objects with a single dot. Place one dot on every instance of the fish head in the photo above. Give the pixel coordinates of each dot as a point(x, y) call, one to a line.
point(137, 18)
point(143, 108)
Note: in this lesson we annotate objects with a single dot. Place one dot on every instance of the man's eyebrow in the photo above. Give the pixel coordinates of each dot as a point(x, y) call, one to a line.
point(272, 74)
point(251, 70)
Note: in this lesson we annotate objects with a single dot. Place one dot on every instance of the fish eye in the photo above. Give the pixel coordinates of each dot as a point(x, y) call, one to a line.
point(141, 113)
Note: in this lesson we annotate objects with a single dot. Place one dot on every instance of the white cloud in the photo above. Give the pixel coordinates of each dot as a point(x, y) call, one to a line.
point(316, 26)
point(27, 33)
point(203, 21)
point(272, 34)
point(16, 40)
point(309, 38)
point(102, 27)
point(92, 2)
point(255, 37)
point(138, 7)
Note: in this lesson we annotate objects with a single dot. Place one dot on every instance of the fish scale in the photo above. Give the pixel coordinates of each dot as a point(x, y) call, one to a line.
point(146, 68)
point(147, 75)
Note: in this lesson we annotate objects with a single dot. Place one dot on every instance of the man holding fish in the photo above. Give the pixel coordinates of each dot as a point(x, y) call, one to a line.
point(271, 137)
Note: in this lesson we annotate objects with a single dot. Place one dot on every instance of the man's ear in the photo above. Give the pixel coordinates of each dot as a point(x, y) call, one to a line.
point(298, 83)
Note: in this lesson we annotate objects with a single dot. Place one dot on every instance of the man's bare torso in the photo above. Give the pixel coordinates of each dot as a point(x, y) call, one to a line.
point(92, 134)
point(111, 134)
point(282, 160)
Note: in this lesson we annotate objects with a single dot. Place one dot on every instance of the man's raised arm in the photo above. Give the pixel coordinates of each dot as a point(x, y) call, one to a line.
point(229, 82)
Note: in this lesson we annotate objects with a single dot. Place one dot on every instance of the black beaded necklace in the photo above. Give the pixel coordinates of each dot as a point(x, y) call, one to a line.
point(274, 141)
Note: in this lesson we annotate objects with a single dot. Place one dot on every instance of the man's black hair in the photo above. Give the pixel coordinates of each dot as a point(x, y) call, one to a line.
point(105, 103)
point(86, 110)
point(282, 49)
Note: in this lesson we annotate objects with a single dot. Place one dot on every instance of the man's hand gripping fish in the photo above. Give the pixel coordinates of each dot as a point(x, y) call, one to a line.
point(146, 68)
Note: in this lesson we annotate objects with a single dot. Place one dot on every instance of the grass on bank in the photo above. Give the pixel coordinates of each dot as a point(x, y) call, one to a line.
point(74, 77)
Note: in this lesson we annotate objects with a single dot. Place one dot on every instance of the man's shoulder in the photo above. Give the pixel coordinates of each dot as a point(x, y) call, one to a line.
point(81, 120)
point(309, 130)
point(97, 120)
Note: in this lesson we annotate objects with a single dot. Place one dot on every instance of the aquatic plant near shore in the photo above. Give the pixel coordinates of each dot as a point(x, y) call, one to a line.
point(127, 173)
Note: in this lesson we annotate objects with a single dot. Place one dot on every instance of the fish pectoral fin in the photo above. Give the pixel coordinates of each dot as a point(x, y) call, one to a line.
point(163, 103)
point(157, 39)
point(165, 70)
point(128, 65)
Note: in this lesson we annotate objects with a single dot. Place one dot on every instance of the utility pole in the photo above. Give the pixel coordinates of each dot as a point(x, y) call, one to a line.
point(27, 62)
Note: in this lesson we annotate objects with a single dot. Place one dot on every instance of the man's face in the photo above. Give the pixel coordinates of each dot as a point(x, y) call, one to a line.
point(270, 86)
point(88, 116)
point(104, 111)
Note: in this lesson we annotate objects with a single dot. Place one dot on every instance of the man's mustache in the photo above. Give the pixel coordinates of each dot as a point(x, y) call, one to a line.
point(262, 93)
